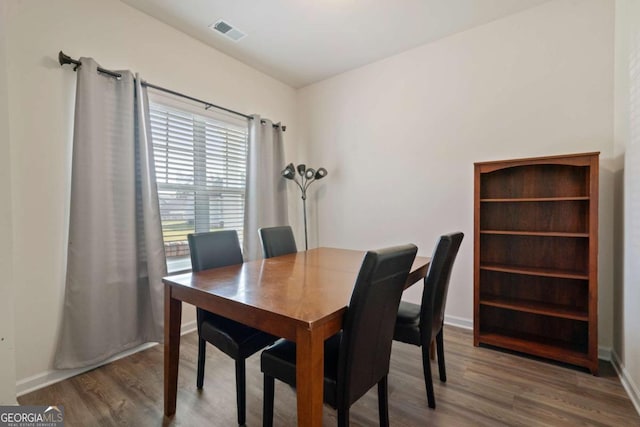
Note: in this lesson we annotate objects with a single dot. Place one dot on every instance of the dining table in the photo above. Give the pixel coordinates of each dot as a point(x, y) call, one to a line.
point(301, 297)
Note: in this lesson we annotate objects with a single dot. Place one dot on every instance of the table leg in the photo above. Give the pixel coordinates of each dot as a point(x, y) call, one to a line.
point(172, 319)
point(309, 376)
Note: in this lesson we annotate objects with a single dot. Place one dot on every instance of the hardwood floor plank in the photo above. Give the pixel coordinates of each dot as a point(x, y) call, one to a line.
point(484, 387)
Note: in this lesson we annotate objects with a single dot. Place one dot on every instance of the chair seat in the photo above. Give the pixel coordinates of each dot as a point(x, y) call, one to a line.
point(233, 338)
point(407, 327)
point(279, 361)
point(408, 314)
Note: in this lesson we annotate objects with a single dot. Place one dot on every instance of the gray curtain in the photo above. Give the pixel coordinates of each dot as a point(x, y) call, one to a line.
point(265, 202)
point(114, 292)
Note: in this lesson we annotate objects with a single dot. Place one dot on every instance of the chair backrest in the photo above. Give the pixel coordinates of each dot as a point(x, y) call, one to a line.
point(214, 249)
point(436, 283)
point(277, 241)
point(368, 326)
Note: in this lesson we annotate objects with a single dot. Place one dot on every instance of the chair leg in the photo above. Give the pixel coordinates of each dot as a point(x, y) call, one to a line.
point(267, 408)
point(383, 402)
point(241, 393)
point(202, 355)
point(343, 417)
point(426, 367)
point(440, 347)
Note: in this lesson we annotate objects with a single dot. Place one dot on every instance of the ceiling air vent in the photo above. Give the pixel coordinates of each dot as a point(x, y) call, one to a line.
point(227, 30)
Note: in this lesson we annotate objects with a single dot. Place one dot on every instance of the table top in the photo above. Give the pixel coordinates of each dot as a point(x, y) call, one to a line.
point(304, 289)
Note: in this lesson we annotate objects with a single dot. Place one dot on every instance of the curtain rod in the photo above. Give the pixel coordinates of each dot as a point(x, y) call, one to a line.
point(66, 59)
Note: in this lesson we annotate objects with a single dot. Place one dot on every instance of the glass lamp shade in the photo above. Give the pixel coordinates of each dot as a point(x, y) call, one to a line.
point(321, 173)
point(289, 172)
point(302, 168)
point(310, 173)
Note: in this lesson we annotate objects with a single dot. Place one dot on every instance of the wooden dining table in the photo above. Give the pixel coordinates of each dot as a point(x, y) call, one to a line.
point(301, 297)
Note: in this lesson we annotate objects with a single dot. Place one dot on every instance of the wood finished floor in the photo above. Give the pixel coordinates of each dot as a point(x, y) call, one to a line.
point(484, 388)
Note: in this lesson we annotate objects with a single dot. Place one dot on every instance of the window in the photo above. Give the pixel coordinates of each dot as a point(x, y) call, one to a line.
point(200, 162)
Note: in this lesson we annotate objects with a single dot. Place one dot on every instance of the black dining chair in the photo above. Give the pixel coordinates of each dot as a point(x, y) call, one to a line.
point(277, 241)
point(238, 341)
point(420, 324)
point(357, 358)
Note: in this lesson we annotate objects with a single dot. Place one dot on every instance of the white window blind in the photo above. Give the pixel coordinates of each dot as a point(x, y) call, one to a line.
point(200, 163)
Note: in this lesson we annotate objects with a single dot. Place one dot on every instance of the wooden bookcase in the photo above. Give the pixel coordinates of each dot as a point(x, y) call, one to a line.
point(536, 257)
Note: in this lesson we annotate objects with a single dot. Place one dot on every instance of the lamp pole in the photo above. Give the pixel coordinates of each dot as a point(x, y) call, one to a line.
point(304, 214)
point(307, 176)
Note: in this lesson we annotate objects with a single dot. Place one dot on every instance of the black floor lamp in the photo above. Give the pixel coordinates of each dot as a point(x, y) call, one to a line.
point(307, 176)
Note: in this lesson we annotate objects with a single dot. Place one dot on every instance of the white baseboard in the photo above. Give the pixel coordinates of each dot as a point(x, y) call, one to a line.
point(459, 322)
point(52, 376)
point(604, 353)
point(188, 327)
point(629, 385)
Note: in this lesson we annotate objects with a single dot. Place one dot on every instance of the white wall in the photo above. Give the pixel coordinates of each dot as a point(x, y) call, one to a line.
point(7, 344)
point(627, 143)
point(41, 116)
point(400, 136)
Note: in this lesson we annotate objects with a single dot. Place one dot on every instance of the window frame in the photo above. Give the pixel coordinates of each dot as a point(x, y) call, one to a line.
point(205, 165)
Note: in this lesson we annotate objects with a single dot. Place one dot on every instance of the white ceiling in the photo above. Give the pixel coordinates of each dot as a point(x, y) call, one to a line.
point(300, 42)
